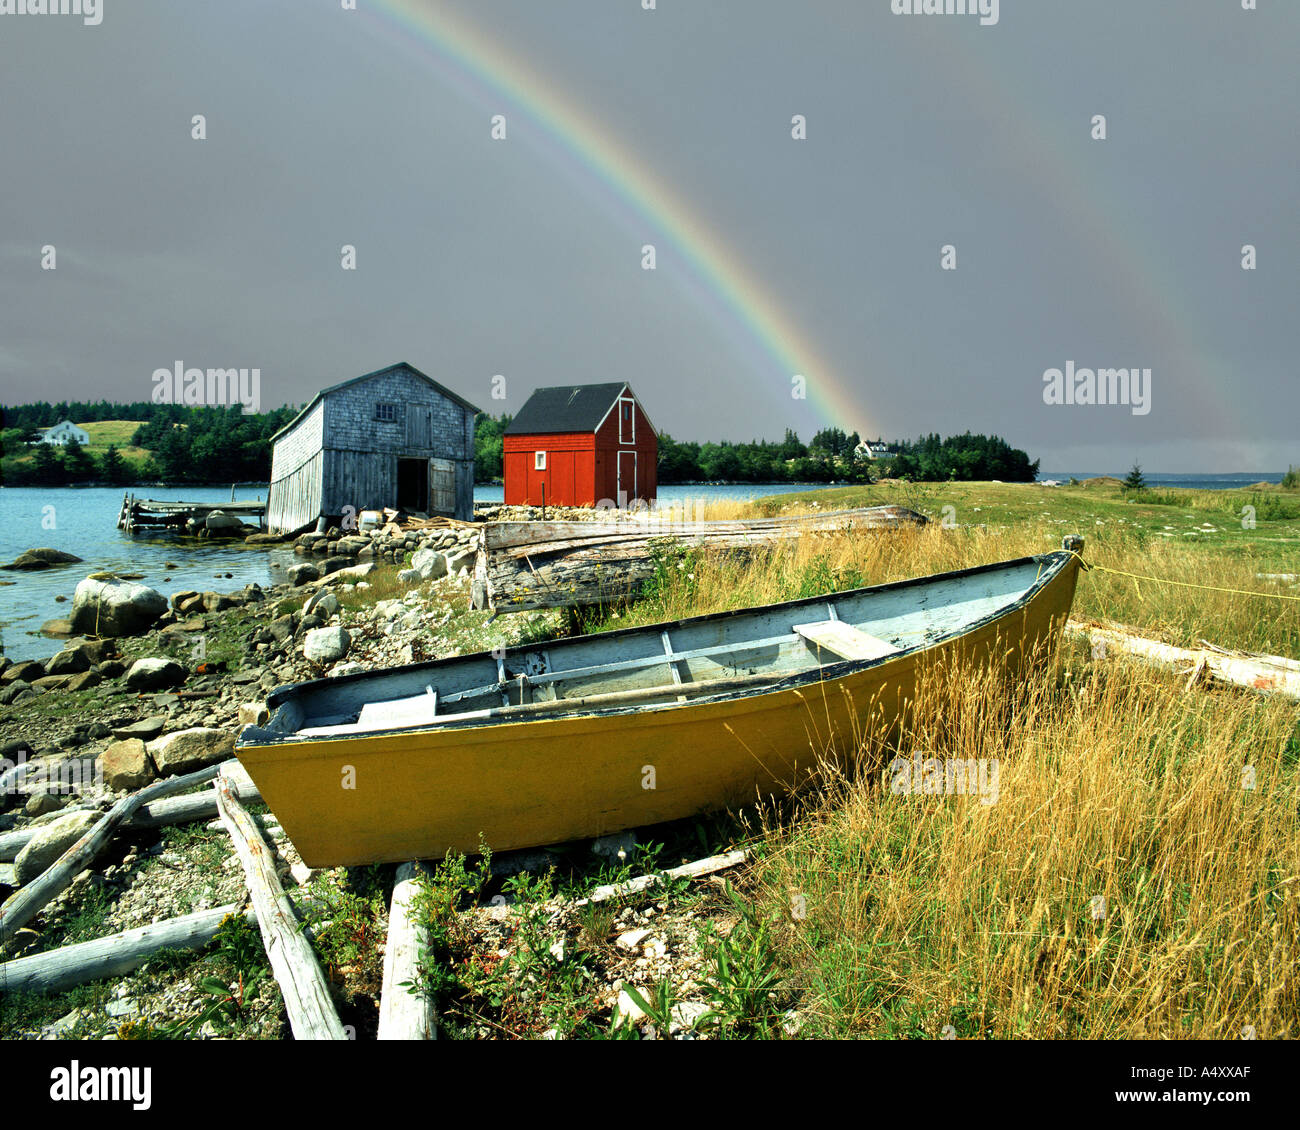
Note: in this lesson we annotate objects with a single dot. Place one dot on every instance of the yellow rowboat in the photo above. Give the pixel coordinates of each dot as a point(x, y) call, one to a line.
point(541, 744)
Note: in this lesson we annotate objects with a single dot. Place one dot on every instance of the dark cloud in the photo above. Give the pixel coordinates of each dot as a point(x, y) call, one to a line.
point(328, 127)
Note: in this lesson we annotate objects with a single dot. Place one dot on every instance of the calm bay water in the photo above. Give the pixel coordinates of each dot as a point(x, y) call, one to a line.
point(1187, 482)
point(83, 520)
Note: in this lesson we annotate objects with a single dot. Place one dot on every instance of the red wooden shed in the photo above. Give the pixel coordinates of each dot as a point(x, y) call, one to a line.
point(582, 444)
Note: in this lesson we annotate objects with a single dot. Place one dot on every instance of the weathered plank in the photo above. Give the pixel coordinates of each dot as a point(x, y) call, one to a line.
point(1267, 674)
point(293, 962)
point(526, 565)
point(28, 902)
point(403, 1014)
point(155, 814)
point(844, 640)
point(695, 870)
point(118, 954)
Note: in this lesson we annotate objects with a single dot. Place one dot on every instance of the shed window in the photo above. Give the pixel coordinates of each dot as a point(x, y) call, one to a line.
point(539, 461)
point(386, 412)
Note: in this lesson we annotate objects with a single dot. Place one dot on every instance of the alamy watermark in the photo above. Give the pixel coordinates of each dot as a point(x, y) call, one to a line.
point(1098, 386)
point(90, 11)
point(65, 777)
point(987, 10)
point(949, 776)
point(208, 387)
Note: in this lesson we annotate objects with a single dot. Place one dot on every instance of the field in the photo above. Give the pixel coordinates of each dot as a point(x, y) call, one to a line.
point(1138, 875)
point(115, 432)
point(102, 433)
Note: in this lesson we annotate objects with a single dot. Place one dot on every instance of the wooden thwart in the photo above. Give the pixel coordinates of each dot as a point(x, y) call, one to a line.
point(844, 640)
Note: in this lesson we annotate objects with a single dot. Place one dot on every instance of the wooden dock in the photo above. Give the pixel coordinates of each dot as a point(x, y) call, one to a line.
point(139, 514)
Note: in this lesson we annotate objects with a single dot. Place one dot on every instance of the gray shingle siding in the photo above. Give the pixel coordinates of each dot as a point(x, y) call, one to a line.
point(358, 450)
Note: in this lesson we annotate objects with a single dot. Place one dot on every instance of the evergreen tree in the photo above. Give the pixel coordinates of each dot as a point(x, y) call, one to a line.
point(1135, 479)
point(113, 467)
point(77, 465)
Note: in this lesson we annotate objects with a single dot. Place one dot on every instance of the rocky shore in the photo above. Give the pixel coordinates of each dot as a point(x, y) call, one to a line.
point(112, 712)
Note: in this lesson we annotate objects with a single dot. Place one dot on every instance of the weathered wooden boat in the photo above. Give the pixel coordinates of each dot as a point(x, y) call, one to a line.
point(541, 744)
point(525, 565)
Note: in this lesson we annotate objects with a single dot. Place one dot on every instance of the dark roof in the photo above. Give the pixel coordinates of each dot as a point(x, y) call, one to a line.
point(442, 389)
point(565, 408)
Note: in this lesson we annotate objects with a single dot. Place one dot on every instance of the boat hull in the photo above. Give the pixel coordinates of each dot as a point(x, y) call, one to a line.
point(417, 794)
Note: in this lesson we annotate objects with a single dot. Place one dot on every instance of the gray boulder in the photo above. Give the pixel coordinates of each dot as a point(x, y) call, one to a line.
point(70, 661)
point(154, 674)
point(303, 574)
point(41, 558)
point(187, 750)
point(44, 848)
point(429, 563)
point(322, 603)
point(16, 691)
point(325, 645)
point(106, 605)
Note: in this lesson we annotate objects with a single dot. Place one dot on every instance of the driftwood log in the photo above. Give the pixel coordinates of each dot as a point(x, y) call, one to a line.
point(403, 1014)
point(115, 955)
point(153, 814)
point(1267, 674)
point(696, 870)
point(526, 565)
point(22, 907)
point(293, 961)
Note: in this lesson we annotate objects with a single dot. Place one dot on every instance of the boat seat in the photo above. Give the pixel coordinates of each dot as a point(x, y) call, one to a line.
point(844, 640)
point(399, 711)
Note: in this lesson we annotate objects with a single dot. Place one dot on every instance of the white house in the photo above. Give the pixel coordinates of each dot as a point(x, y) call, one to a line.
point(866, 450)
point(61, 434)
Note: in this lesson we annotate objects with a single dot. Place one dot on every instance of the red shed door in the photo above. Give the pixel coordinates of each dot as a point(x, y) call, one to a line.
point(626, 477)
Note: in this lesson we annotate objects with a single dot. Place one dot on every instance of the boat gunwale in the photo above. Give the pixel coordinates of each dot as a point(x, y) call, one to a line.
point(1051, 565)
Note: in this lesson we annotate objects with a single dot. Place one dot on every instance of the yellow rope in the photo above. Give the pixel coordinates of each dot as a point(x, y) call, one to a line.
point(1184, 584)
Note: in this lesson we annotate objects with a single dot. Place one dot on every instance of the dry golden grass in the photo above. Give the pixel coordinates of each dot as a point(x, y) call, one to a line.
point(933, 911)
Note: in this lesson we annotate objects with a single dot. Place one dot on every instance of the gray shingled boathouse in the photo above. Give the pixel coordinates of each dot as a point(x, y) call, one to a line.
point(394, 437)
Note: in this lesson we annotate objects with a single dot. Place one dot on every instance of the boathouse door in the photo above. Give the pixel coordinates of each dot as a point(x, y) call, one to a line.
point(626, 477)
point(413, 485)
point(442, 487)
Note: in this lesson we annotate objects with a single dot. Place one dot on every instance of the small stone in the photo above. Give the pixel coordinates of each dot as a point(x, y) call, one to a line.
point(253, 713)
point(39, 804)
point(629, 1009)
point(146, 729)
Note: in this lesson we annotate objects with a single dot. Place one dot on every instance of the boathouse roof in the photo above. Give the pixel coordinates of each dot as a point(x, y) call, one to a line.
point(566, 408)
point(441, 389)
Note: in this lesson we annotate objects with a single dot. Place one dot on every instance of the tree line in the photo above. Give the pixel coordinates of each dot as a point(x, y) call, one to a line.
point(182, 444)
point(188, 444)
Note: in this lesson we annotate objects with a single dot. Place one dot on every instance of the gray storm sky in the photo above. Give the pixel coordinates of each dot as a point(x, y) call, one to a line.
point(522, 257)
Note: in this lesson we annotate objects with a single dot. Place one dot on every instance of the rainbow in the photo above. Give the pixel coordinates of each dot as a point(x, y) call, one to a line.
point(745, 310)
